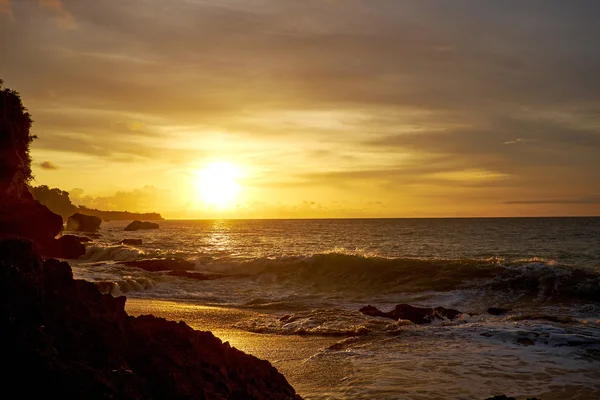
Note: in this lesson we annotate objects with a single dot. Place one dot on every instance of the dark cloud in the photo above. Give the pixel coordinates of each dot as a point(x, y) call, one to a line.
point(48, 165)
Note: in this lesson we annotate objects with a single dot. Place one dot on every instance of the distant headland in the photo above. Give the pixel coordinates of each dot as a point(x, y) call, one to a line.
point(59, 202)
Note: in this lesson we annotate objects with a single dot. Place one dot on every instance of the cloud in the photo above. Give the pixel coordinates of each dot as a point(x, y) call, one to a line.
point(146, 199)
point(65, 18)
point(48, 165)
point(323, 93)
point(582, 200)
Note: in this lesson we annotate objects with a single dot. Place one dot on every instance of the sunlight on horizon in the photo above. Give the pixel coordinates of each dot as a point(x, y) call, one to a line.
point(217, 184)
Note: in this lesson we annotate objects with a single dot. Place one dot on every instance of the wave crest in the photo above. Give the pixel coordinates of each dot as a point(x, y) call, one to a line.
point(362, 275)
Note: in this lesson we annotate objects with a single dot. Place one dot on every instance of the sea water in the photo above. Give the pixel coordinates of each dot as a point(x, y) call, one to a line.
point(302, 282)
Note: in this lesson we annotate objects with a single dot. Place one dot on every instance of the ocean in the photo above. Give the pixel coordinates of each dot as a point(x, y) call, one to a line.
point(290, 290)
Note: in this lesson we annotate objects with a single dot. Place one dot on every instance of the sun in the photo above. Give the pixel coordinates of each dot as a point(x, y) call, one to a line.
point(217, 184)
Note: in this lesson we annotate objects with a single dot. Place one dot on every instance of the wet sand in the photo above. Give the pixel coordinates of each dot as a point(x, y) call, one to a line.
point(290, 354)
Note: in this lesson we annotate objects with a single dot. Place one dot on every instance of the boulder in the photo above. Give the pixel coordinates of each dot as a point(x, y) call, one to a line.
point(417, 315)
point(24, 216)
point(67, 246)
point(62, 338)
point(161, 265)
point(137, 225)
point(131, 242)
point(83, 223)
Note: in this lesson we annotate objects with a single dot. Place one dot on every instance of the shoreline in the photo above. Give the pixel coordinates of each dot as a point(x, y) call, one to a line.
point(290, 354)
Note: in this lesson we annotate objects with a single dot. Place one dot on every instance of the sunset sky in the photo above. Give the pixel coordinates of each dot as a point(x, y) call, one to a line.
point(325, 108)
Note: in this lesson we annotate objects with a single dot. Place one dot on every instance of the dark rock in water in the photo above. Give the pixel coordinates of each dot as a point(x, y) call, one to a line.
point(137, 225)
point(191, 275)
point(498, 311)
point(61, 338)
point(525, 341)
point(418, 315)
point(132, 242)
point(161, 265)
point(83, 223)
point(67, 246)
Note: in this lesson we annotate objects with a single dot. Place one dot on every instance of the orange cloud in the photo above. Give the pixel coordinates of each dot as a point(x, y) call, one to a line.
point(66, 19)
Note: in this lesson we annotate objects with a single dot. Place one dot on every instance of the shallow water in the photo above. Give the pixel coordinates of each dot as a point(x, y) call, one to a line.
point(292, 289)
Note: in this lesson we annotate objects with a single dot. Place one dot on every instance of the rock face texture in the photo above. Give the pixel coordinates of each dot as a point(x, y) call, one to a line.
point(418, 315)
point(83, 223)
point(63, 339)
point(137, 225)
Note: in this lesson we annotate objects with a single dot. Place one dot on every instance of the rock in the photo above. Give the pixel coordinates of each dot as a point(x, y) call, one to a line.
point(67, 246)
point(498, 311)
point(525, 341)
point(161, 265)
point(137, 225)
point(417, 315)
point(83, 223)
point(191, 275)
point(62, 338)
point(131, 242)
point(25, 217)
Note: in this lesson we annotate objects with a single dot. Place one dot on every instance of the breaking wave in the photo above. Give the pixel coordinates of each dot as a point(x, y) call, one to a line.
point(359, 274)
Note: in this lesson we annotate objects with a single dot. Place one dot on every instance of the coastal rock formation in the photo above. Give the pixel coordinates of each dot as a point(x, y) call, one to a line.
point(67, 246)
point(161, 265)
point(137, 225)
point(417, 315)
point(83, 223)
point(131, 242)
point(63, 339)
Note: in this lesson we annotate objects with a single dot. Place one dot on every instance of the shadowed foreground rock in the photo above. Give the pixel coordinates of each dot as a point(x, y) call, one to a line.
point(61, 338)
point(137, 225)
point(418, 315)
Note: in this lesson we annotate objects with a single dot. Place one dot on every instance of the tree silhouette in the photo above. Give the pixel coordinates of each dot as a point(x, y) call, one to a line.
point(15, 123)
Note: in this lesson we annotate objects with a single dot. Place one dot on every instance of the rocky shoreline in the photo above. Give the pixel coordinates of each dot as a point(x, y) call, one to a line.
point(62, 338)
point(74, 342)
